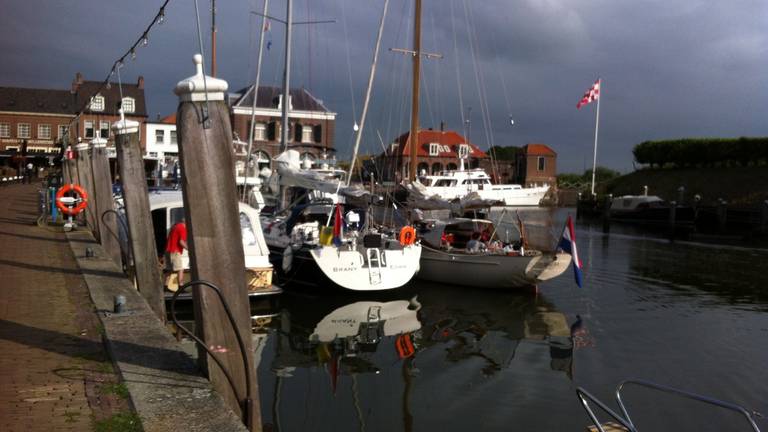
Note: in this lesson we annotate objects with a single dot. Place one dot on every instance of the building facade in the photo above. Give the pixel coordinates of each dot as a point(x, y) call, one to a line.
point(536, 165)
point(35, 122)
point(436, 151)
point(312, 125)
point(161, 157)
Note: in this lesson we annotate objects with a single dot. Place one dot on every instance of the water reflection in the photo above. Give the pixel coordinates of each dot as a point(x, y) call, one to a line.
point(352, 363)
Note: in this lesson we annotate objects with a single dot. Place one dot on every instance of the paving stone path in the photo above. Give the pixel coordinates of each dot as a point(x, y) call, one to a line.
point(54, 372)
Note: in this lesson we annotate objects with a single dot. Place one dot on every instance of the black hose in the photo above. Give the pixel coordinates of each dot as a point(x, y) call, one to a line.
point(246, 403)
point(126, 254)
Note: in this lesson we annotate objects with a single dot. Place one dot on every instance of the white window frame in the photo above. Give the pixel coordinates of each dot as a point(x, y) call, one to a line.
point(259, 132)
point(161, 133)
point(62, 131)
point(434, 149)
point(541, 163)
point(463, 151)
point(104, 125)
point(306, 134)
point(24, 127)
point(174, 138)
point(5, 130)
point(97, 103)
point(129, 105)
point(92, 127)
point(44, 131)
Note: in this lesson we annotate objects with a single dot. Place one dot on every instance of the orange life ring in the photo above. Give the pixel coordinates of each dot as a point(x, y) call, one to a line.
point(407, 236)
point(82, 200)
point(404, 346)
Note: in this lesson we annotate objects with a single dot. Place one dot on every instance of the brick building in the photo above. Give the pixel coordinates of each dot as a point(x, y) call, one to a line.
point(312, 125)
point(536, 165)
point(35, 121)
point(437, 151)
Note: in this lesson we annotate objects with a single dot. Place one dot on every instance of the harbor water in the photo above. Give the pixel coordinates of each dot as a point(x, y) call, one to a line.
point(688, 315)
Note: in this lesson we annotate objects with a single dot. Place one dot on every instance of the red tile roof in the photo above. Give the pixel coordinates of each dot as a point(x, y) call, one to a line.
point(539, 150)
point(169, 119)
point(449, 144)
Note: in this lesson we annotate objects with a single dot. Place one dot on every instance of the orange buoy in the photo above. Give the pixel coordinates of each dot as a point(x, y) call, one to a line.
point(81, 200)
point(407, 236)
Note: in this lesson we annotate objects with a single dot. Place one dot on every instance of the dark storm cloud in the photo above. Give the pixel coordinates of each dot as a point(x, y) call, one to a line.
point(670, 68)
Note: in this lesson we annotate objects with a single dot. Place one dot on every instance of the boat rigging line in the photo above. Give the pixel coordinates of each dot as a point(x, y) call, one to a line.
point(255, 91)
point(349, 65)
point(371, 77)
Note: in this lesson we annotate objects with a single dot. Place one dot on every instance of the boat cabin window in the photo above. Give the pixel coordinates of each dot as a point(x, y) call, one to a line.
point(177, 213)
point(445, 183)
point(159, 229)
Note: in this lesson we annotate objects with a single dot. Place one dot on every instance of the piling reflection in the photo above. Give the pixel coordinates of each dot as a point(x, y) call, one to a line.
point(357, 364)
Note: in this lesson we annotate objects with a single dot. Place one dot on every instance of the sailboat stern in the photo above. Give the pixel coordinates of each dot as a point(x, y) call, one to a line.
point(369, 269)
point(547, 266)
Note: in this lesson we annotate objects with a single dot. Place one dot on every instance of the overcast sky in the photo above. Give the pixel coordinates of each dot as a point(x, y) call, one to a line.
point(670, 68)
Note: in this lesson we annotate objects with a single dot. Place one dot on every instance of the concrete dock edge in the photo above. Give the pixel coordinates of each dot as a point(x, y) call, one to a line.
point(166, 388)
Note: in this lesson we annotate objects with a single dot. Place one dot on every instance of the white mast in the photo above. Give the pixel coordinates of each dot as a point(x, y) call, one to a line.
point(255, 96)
point(368, 93)
point(597, 123)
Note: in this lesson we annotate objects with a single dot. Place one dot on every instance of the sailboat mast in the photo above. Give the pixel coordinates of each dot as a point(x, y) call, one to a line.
point(286, 78)
point(414, 135)
point(213, 38)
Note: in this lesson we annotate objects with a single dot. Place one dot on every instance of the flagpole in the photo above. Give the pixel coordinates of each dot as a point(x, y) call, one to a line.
point(597, 123)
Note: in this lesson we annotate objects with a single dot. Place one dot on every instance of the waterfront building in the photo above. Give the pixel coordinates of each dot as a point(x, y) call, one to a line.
point(161, 157)
point(437, 151)
point(536, 165)
point(311, 124)
point(33, 122)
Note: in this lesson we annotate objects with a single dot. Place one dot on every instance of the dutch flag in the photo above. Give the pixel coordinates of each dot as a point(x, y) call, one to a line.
point(568, 244)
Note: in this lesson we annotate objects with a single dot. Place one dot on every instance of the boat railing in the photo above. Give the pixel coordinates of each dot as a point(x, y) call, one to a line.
point(626, 421)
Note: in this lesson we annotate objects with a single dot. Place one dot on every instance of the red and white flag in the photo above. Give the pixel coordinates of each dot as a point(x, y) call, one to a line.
point(591, 95)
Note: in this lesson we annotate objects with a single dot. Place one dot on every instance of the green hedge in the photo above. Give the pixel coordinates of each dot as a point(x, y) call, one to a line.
point(692, 152)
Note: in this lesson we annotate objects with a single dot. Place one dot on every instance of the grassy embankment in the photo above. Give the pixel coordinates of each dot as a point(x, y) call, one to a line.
point(737, 185)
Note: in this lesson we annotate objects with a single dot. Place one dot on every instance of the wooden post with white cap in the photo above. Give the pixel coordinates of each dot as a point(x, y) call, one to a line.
point(215, 239)
point(85, 178)
point(136, 200)
point(102, 200)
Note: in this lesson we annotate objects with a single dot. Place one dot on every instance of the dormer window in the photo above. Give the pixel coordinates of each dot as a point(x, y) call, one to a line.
point(128, 105)
point(434, 149)
point(280, 102)
point(463, 151)
point(97, 103)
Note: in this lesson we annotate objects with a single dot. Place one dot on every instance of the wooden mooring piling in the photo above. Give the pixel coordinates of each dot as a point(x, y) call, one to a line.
point(215, 240)
point(136, 199)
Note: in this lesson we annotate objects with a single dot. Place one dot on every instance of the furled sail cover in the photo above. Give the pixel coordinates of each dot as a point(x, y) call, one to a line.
point(291, 174)
point(418, 197)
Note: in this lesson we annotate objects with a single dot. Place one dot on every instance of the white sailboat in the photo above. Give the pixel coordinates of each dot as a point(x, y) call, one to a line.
point(302, 244)
point(304, 248)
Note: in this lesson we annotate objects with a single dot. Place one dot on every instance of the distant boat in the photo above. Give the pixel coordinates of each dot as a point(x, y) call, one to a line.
point(453, 184)
point(648, 209)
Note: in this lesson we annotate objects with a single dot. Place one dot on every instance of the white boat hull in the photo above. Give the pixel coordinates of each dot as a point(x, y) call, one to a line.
point(491, 271)
point(349, 269)
point(508, 195)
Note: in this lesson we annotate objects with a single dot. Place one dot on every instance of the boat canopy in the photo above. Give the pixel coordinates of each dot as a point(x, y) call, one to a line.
point(419, 197)
point(291, 174)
